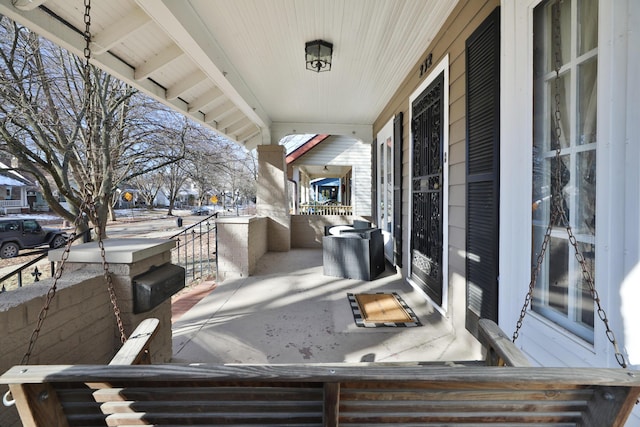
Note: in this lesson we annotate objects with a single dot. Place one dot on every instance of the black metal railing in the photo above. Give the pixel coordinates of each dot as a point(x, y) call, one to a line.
point(196, 250)
point(36, 273)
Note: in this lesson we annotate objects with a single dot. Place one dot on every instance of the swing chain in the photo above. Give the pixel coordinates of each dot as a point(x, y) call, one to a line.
point(106, 273)
point(559, 211)
point(89, 188)
point(52, 290)
point(588, 278)
point(87, 205)
point(535, 271)
point(556, 196)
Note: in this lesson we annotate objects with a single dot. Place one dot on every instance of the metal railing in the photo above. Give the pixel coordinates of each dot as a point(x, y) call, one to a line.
point(320, 209)
point(36, 273)
point(11, 203)
point(196, 250)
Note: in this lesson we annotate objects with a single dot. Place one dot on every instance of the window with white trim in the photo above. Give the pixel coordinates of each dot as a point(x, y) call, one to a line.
point(565, 104)
point(385, 185)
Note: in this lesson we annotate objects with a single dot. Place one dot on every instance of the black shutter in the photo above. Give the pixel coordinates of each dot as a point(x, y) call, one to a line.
point(482, 175)
point(397, 189)
point(374, 180)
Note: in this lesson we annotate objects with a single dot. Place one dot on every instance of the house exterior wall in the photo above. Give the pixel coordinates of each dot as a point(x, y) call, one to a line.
point(464, 19)
point(618, 203)
point(617, 254)
point(340, 150)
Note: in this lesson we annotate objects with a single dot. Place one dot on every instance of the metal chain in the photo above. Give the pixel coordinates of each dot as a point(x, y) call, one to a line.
point(559, 211)
point(86, 205)
point(107, 275)
point(89, 188)
point(52, 291)
point(535, 271)
point(556, 194)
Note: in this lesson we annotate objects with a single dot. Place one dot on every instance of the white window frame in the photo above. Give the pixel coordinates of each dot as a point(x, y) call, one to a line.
point(571, 68)
point(544, 341)
point(385, 186)
point(441, 67)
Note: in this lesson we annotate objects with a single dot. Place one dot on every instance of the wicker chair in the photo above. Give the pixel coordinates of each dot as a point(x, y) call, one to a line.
point(354, 254)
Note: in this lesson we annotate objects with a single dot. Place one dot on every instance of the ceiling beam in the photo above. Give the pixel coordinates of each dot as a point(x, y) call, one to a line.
point(363, 133)
point(60, 33)
point(191, 81)
point(114, 34)
point(27, 5)
point(248, 134)
point(220, 112)
point(239, 127)
point(157, 62)
point(231, 119)
point(187, 29)
point(207, 98)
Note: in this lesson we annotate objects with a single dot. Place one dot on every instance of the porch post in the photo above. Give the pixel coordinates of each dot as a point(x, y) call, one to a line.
point(272, 196)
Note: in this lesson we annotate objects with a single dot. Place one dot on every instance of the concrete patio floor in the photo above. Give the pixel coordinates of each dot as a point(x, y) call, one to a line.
point(289, 312)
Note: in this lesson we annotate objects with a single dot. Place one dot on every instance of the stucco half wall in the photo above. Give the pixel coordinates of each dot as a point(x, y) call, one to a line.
point(307, 230)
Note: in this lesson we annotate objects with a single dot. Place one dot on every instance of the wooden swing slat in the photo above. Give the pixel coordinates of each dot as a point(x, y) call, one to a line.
point(135, 351)
point(500, 349)
point(326, 394)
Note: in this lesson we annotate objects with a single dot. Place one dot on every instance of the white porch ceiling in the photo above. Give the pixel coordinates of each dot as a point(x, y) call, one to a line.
point(238, 65)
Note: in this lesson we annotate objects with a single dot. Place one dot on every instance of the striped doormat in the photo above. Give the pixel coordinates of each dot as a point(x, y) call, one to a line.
point(381, 310)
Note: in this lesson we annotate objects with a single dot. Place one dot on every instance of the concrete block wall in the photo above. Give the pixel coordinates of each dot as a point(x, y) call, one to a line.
point(122, 276)
point(78, 328)
point(80, 325)
point(241, 241)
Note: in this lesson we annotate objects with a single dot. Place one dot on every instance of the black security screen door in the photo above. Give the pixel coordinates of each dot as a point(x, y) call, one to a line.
point(426, 189)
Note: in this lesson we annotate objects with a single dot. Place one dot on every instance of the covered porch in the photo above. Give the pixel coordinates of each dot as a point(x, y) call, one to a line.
point(443, 94)
point(289, 312)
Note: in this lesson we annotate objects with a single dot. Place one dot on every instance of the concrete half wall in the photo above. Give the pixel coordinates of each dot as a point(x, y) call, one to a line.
point(307, 230)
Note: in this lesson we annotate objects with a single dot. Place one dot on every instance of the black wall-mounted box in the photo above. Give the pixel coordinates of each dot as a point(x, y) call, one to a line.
point(156, 285)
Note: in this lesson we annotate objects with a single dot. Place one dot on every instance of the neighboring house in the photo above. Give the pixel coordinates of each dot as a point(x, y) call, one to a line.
point(460, 118)
point(329, 156)
point(17, 193)
point(161, 198)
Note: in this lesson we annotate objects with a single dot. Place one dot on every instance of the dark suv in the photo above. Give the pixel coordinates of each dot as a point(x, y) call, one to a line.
point(16, 234)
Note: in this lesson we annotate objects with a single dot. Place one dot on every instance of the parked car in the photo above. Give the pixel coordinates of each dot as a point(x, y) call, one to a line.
point(18, 233)
point(202, 210)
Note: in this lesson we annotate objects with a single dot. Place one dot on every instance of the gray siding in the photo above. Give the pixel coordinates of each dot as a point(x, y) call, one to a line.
point(464, 19)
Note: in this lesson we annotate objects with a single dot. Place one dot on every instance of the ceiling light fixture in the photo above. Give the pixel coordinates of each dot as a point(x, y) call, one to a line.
point(318, 55)
point(326, 169)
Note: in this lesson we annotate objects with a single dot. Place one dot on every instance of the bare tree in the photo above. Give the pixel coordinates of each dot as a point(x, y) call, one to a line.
point(78, 144)
point(148, 186)
point(209, 158)
point(175, 175)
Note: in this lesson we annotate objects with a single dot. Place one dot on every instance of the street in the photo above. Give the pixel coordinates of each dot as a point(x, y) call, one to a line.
point(130, 223)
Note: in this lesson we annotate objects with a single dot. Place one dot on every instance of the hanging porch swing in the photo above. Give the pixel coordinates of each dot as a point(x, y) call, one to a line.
point(509, 392)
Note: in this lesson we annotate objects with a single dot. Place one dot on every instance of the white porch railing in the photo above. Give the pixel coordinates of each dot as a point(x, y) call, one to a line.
point(313, 209)
point(11, 203)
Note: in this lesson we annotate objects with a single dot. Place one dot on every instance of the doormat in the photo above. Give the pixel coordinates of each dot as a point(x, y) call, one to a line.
point(382, 310)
